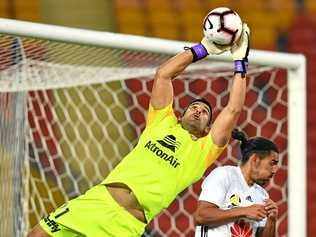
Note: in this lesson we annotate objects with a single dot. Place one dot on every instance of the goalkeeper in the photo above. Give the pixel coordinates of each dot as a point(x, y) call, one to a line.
point(171, 155)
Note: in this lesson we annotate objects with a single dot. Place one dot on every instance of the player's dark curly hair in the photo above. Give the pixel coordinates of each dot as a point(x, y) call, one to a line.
point(255, 145)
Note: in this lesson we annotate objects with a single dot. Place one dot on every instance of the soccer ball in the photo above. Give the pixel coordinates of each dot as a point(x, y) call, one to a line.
point(222, 26)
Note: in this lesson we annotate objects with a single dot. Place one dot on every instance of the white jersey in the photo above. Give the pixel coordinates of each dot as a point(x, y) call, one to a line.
point(227, 188)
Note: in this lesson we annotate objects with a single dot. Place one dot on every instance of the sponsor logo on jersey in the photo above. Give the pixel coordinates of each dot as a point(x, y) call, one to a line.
point(173, 161)
point(170, 142)
point(241, 229)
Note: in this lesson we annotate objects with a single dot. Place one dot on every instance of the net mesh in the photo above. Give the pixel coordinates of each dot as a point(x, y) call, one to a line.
point(81, 110)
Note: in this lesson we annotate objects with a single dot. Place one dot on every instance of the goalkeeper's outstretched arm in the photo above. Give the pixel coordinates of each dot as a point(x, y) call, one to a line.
point(227, 119)
point(162, 92)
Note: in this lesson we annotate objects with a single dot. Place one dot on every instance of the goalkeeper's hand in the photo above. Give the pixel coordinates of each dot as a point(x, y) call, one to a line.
point(213, 48)
point(240, 49)
point(205, 48)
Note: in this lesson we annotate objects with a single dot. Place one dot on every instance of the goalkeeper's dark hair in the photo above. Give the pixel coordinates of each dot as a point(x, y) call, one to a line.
point(256, 145)
point(204, 101)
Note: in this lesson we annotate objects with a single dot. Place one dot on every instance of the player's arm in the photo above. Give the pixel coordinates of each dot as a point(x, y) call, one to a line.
point(162, 92)
point(227, 119)
point(212, 199)
point(269, 230)
point(210, 214)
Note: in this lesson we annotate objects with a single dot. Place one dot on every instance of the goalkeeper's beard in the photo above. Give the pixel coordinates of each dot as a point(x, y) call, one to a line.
point(193, 127)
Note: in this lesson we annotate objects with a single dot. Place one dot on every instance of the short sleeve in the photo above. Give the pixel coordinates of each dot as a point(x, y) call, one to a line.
point(214, 152)
point(155, 116)
point(214, 187)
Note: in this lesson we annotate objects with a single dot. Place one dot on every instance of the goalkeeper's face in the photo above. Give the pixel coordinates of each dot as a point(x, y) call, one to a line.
point(196, 118)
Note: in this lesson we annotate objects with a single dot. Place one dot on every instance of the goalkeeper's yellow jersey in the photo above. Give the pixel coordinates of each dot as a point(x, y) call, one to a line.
point(165, 161)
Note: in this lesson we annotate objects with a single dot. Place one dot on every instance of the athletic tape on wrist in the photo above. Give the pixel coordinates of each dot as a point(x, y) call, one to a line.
point(241, 66)
point(199, 52)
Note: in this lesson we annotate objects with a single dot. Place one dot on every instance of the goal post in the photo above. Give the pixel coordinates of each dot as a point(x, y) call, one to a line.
point(38, 60)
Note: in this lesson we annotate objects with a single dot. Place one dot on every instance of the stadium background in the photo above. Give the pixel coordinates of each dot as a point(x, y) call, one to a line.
point(283, 25)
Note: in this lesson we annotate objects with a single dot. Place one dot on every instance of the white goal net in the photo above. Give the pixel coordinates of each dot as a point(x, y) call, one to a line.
point(73, 103)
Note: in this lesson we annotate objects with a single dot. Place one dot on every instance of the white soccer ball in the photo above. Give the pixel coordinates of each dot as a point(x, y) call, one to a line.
point(222, 26)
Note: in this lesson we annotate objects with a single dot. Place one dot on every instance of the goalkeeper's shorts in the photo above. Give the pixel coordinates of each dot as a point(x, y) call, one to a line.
point(94, 214)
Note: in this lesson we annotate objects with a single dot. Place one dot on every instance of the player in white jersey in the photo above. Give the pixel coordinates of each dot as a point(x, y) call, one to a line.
point(233, 202)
